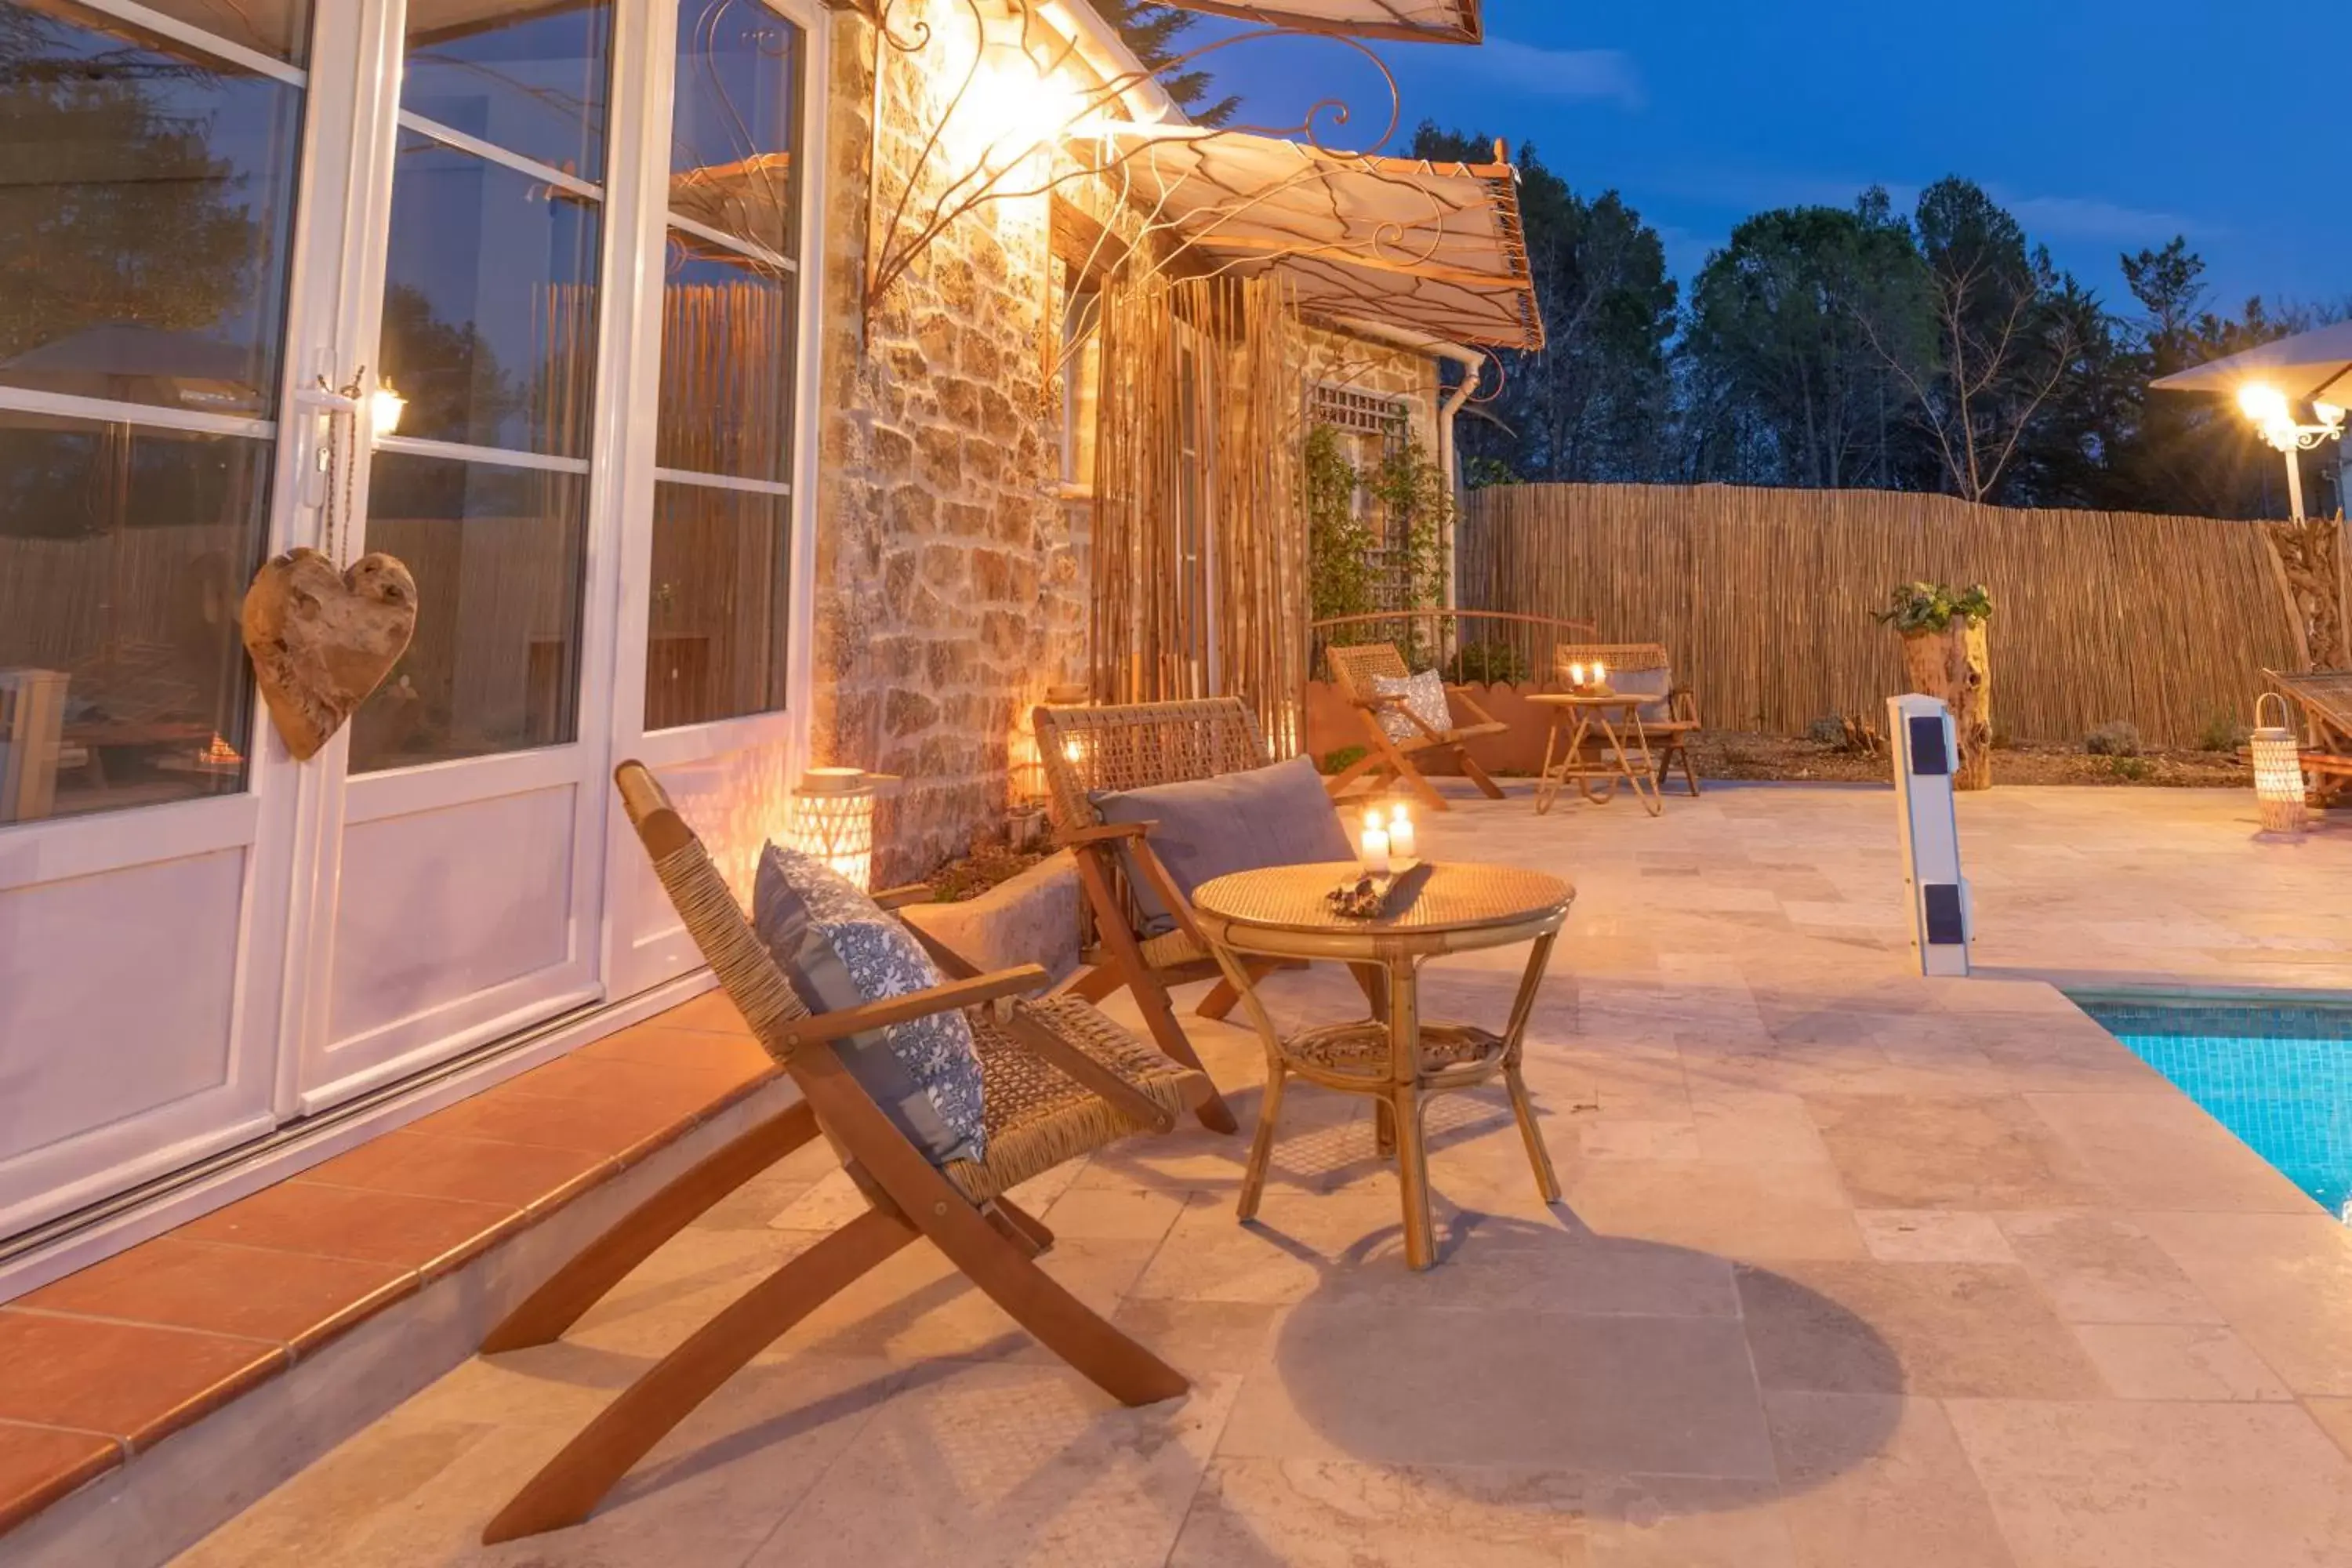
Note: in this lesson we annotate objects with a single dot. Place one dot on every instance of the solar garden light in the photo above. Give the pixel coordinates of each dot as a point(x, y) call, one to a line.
point(2273, 416)
point(1921, 731)
point(2278, 770)
point(832, 819)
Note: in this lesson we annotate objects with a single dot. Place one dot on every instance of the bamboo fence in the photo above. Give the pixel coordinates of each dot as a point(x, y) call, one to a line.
point(1764, 597)
point(1200, 532)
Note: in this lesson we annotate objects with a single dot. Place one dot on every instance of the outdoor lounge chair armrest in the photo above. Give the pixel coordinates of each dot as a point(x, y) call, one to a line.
point(1462, 694)
point(899, 898)
point(1040, 1041)
point(844, 1022)
point(1105, 833)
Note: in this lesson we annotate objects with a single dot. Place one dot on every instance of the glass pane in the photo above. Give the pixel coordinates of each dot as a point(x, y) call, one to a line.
point(727, 365)
point(531, 79)
point(716, 631)
point(738, 102)
point(499, 555)
point(145, 192)
point(489, 303)
point(124, 554)
point(277, 28)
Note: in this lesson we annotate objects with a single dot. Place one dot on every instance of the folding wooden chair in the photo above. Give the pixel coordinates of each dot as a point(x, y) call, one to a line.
point(1060, 1081)
point(1136, 746)
point(1353, 670)
point(1671, 723)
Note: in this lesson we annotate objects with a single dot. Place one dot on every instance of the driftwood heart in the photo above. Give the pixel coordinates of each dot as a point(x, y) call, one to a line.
point(322, 640)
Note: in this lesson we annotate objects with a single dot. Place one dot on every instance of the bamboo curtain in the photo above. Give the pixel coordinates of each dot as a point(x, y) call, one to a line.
point(1200, 534)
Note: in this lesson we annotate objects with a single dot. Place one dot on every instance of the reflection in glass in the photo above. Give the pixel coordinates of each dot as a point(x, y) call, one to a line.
point(719, 614)
point(123, 551)
point(278, 27)
point(738, 101)
point(499, 555)
point(489, 308)
point(531, 79)
point(727, 365)
point(145, 194)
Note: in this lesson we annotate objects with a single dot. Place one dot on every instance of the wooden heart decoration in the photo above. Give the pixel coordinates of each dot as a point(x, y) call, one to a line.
point(322, 640)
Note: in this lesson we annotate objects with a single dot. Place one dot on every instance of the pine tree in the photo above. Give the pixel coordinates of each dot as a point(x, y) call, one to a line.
point(1155, 33)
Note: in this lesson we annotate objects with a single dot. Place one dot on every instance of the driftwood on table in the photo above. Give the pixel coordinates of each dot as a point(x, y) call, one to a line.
point(1952, 666)
point(321, 640)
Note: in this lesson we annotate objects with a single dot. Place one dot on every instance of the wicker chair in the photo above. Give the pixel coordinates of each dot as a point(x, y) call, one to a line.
point(1353, 670)
point(2325, 698)
point(1671, 723)
point(1134, 746)
point(1059, 1080)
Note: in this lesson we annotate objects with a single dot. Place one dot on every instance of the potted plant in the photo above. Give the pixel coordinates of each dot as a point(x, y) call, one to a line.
point(1944, 657)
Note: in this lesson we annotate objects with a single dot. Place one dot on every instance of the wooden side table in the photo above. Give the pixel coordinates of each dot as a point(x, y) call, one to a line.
point(1394, 1057)
point(1573, 764)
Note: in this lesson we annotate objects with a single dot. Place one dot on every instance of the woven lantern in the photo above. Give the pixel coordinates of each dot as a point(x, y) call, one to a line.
point(2278, 770)
point(832, 818)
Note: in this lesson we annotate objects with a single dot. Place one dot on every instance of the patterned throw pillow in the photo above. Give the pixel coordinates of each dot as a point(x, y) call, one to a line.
point(1425, 694)
point(838, 949)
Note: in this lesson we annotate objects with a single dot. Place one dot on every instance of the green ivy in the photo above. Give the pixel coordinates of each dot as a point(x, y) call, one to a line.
point(1916, 607)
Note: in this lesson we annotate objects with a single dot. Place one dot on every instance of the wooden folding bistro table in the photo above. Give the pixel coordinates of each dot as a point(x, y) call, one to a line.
point(1394, 1055)
point(1588, 757)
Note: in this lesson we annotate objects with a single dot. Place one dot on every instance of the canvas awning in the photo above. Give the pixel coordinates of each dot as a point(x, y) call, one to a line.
point(1434, 247)
point(1427, 21)
point(2309, 367)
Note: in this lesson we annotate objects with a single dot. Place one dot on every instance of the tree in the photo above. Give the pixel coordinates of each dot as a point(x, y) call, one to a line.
point(1154, 32)
point(1594, 403)
point(2003, 345)
point(1807, 333)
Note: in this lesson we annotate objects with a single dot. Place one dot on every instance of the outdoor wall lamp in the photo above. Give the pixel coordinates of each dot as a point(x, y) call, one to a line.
point(2273, 416)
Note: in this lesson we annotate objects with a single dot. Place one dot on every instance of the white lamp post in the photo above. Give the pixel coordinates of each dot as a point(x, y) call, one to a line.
point(2271, 415)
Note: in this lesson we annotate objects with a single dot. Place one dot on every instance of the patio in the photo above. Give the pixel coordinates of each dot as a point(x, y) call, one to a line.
point(1854, 1268)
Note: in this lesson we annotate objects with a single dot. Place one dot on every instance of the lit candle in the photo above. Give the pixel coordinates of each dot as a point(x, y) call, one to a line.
point(1576, 675)
point(1373, 849)
point(1599, 673)
point(1400, 839)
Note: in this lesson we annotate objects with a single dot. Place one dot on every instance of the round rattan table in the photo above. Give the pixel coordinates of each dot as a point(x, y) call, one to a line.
point(1395, 1056)
point(1589, 758)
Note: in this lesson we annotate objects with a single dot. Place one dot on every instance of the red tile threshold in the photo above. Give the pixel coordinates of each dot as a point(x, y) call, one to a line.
point(113, 1359)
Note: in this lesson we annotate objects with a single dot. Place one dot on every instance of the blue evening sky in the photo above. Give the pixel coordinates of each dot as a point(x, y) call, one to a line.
point(2105, 125)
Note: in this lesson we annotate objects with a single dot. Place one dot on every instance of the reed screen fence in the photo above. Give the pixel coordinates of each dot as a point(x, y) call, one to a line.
point(1764, 597)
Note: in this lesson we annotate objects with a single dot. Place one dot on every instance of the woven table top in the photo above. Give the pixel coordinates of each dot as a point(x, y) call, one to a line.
point(1457, 896)
point(1591, 699)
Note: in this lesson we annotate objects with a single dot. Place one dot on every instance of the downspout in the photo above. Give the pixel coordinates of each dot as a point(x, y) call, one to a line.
point(1474, 366)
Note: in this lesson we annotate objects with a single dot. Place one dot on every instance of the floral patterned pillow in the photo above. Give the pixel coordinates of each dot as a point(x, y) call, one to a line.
point(1424, 695)
point(838, 949)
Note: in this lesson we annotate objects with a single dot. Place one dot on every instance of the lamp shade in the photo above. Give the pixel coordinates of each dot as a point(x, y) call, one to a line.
point(832, 818)
point(2278, 771)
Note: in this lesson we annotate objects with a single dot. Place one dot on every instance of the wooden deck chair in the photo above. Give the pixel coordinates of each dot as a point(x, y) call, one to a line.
point(1637, 669)
point(1136, 746)
point(2325, 698)
point(1353, 670)
point(1060, 1081)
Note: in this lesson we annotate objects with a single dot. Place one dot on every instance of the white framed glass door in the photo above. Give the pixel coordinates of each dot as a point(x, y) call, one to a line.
point(717, 582)
point(468, 869)
point(157, 183)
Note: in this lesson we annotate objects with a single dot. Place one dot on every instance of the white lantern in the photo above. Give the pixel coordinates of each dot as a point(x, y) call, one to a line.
point(832, 819)
point(2278, 770)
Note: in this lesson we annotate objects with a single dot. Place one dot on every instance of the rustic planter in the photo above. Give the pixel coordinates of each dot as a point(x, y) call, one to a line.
point(1951, 665)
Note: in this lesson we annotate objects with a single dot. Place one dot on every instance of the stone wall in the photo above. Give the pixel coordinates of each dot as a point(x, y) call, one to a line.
point(947, 593)
point(949, 588)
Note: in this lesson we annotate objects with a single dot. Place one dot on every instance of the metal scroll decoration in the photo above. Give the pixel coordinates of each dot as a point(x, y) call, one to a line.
point(913, 208)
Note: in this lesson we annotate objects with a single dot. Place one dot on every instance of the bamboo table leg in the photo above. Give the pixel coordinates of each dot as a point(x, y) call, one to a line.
point(1404, 1111)
point(1514, 1042)
point(1654, 801)
point(1547, 782)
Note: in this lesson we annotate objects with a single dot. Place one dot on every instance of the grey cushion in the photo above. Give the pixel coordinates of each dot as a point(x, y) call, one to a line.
point(839, 949)
point(1656, 683)
point(1425, 694)
point(1276, 815)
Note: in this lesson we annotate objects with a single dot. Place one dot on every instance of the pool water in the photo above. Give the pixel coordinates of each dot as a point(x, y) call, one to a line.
point(2280, 1077)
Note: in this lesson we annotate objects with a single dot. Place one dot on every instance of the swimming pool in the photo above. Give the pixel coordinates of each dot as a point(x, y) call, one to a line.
point(2278, 1076)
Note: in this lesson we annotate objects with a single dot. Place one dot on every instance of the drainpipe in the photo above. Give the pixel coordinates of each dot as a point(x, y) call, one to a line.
point(1474, 366)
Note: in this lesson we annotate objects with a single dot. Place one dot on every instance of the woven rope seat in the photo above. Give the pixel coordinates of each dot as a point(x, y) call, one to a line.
point(1037, 1116)
point(1174, 949)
